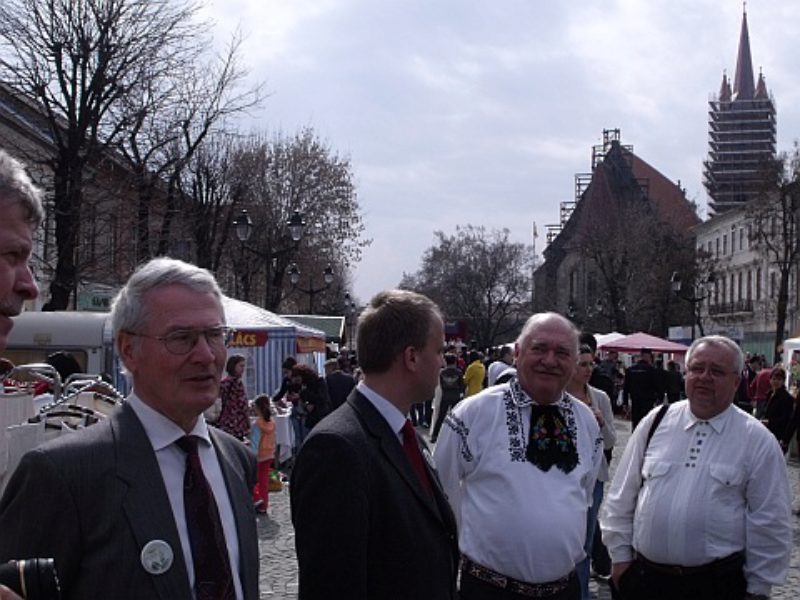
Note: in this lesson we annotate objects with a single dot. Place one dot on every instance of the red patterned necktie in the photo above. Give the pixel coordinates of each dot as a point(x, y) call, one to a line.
point(411, 448)
point(212, 571)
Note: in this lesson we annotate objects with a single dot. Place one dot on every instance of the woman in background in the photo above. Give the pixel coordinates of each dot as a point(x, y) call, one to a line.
point(233, 417)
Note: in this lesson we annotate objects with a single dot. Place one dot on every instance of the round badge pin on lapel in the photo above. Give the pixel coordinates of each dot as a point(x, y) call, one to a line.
point(157, 557)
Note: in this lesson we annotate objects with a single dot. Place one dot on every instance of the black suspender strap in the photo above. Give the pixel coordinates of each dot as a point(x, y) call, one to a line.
point(653, 426)
point(656, 422)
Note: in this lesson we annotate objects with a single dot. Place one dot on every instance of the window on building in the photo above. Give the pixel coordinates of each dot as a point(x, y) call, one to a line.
point(709, 247)
point(758, 284)
point(741, 238)
point(773, 285)
point(591, 286)
point(739, 287)
point(717, 246)
point(733, 283)
point(724, 244)
point(749, 284)
point(722, 290)
point(716, 292)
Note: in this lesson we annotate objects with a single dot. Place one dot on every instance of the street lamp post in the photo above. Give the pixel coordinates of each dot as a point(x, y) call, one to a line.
point(695, 296)
point(350, 317)
point(243, 226)
point(310, 291)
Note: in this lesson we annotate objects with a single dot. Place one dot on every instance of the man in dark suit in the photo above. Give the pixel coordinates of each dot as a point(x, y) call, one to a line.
point(642, 387)
point(370, 518)
point(339, 383)
point(116, 504)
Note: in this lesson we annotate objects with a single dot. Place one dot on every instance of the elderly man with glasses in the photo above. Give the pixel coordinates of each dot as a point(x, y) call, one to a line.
point(699, 504)
point(150, 503)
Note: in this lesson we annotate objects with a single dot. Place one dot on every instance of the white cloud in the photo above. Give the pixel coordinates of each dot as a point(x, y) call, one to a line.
point(466, 111)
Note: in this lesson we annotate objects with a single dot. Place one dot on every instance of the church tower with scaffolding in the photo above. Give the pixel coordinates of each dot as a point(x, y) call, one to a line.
point(742, 134)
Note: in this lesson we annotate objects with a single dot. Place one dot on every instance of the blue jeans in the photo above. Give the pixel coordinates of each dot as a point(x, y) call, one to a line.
point(591, 525)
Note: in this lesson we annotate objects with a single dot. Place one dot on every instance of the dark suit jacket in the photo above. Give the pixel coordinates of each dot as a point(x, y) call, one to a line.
point(340, 385)
point(365, 528)
point(93, 499)
point(778, 413)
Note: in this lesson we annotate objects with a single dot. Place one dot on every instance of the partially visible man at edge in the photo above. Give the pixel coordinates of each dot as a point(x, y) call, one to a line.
point(701, 510)
point(21, 205)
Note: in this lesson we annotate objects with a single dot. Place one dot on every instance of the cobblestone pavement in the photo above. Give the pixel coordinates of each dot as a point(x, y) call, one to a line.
point(279, 565)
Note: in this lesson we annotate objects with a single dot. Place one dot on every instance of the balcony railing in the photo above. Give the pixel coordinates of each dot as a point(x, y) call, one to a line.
point(729, 308)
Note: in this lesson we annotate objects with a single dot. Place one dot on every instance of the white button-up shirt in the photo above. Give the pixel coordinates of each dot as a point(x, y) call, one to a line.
point(163, 434)
point(513, 517)
point(703, 490)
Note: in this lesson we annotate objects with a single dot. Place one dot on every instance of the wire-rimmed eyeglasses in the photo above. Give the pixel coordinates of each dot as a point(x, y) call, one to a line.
point(182, 341)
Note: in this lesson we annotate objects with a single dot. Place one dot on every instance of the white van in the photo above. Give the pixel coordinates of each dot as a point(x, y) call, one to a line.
point(85, 335)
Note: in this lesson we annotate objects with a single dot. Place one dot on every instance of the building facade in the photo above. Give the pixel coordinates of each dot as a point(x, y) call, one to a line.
point(608, 262)
point(742, 303)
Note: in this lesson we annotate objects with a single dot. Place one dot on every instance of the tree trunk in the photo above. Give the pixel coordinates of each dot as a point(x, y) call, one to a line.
point(67, 184)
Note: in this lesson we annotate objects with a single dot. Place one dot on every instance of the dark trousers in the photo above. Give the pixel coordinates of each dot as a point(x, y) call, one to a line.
point(601, 561)
point(639, 409)
point(723, 580)
point(444, 407)
point(421, 413)
point(475, 589)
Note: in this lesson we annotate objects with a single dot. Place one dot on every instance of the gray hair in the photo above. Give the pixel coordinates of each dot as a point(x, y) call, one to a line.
point(129, 311)
point(16, 187)
point(720, 341)
point(539, 318)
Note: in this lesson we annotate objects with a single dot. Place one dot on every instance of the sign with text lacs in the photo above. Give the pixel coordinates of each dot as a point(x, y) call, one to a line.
point(248, 339)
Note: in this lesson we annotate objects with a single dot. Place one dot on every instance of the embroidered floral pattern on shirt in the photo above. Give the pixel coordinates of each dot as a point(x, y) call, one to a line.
point(514, 400)
point(462, 431)
point(516, 434)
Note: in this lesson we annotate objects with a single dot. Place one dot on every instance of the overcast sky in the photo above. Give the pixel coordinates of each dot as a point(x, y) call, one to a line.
point(458, 112)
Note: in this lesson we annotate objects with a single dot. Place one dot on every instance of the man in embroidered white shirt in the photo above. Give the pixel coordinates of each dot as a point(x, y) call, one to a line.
point(518, 462)
point(702, 511)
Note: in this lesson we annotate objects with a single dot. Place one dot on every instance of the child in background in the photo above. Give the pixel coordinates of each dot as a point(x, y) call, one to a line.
point(266, 451)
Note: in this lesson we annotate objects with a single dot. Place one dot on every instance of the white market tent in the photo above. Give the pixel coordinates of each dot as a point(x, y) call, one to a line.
point(636, 341)
point(791, 352)
point(266, 339)
point(605, 338)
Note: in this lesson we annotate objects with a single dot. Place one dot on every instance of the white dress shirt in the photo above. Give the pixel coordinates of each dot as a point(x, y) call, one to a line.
point(513, 517)
point(388, 411)
point(705, 489)
point(163, 434)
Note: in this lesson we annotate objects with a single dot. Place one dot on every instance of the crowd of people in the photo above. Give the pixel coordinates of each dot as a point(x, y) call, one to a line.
point(152, 502)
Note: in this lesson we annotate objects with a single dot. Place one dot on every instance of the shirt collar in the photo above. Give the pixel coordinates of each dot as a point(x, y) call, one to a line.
point(388, 411)
point(521, 398)
point(716, 423)
point(160, 430)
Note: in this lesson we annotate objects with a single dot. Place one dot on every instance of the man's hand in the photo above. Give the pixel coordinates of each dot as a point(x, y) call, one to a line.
point(7, 594)
point(617, 570)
